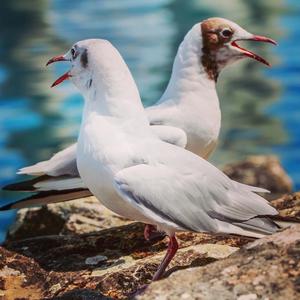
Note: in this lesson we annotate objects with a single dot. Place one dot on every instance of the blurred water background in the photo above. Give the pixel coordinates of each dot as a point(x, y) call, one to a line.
point(260, 106)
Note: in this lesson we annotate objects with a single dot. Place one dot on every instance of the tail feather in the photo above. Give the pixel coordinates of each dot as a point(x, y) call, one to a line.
point(47, 183)
point(252, 188)
point(34, 170)
point(27, 185)
point(62, 163)
point(60, 184)
point(48, 197)
point(260, 225)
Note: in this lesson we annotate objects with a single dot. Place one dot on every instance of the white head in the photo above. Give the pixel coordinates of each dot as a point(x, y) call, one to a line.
point(100, 73)
point(219, 45)
point(96, 61)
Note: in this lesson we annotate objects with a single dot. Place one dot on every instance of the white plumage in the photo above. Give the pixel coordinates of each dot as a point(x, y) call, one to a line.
point(136, 175)
point(180, 117)
point(188, 113)
point(131, 169)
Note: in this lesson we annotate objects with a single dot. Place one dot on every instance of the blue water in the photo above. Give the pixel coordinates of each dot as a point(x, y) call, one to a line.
point(260, 106)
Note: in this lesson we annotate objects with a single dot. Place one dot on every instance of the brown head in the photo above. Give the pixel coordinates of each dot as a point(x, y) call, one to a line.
point(220, 48)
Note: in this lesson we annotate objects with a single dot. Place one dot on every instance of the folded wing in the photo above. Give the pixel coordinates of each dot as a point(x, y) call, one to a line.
point(203, 199)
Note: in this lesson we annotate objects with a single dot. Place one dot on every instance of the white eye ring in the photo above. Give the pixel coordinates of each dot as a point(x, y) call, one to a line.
point(226, 33)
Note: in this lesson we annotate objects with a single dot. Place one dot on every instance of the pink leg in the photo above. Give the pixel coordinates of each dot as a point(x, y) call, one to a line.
point(148, 231)
point(172, 249)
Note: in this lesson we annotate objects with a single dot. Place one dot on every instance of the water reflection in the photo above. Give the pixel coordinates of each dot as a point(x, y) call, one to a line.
point(29, 110)
point(36, 121)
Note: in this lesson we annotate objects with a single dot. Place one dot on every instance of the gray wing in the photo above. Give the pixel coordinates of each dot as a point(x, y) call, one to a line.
point(206, 200)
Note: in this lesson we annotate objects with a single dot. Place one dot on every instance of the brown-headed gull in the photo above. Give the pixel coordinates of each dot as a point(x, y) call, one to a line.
point(187, 115)
point(139, 176)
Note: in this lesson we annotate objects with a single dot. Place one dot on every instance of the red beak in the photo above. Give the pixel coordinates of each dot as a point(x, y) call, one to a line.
point(61, 79)
point(260, 38)
point(55, 59)
point(257, 38)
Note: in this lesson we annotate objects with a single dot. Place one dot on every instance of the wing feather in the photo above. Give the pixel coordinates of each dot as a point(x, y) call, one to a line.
point(196, 199)
point(62, 163)
point(160, 190)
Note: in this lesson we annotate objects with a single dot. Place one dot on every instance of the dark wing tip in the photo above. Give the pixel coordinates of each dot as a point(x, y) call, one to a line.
point(25, 186)
point(47, 197)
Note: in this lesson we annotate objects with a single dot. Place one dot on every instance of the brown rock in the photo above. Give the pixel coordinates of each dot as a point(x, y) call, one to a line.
point(261, 171)
point(112, 262)
point(116, 262)
point(288, 206)
point(265, 269)
point(72, 217)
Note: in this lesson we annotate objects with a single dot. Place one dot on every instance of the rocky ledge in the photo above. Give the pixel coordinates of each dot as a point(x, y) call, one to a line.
point(80, 250)
point(265, 269)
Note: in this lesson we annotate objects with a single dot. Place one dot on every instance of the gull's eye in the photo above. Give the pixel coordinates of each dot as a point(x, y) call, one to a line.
point(226, 33)
point(73, 53)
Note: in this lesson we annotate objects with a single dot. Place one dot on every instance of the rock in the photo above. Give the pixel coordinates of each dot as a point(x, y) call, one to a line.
point(94, 260)
point(88, 215)
point(205, 267)
point(72, 217)
point(55, 267)
point(262, 171)
point(288, 206)
point(268, 268)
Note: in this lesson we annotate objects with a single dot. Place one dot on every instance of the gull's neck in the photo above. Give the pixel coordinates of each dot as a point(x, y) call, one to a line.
point(114, 94)
point(189, 79)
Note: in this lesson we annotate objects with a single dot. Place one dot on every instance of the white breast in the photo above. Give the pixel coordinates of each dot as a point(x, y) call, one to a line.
point(199, 119)
point(96, 171)
point(202, 129)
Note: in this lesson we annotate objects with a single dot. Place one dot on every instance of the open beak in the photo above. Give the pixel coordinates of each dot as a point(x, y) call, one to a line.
point(250, 54)
point(61, 79)
point(64, 76)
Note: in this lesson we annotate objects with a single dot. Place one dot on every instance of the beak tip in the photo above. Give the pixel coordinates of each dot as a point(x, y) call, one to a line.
point(56, 59)
point(268, 64)
point(50, 61)
point(61, 79)
point(274, 42)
